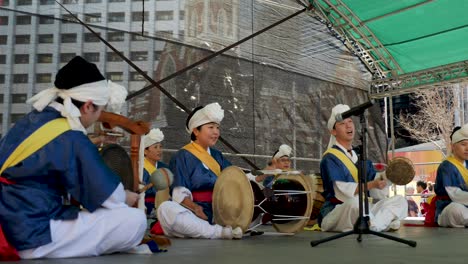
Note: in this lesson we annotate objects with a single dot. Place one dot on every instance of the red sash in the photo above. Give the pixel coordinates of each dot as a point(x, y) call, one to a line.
point(203, 196)
point(7, 251)
point(429, 220)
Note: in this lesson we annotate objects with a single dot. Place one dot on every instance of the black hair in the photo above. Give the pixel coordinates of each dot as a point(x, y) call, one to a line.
point(455, 129)
point(78, 104)
point(192, 135)
point(422, 184)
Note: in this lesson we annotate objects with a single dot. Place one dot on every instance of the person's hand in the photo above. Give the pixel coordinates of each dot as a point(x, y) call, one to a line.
point(131, 198)
point(260, 178)
point(199, 212)
point(377, 184)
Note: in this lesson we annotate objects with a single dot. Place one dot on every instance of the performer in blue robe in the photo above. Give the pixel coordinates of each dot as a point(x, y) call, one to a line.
point(196, 168)
point(340, 181)
point(451, 188)
point(280, 160)
point(152, 161)
point(33, 214)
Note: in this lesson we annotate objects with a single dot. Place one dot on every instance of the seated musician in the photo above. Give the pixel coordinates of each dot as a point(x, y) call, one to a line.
point(451, 189)
point(196, 167)
point(59, 160)
point(153, 154)
point(340, 182)
point(280, 160)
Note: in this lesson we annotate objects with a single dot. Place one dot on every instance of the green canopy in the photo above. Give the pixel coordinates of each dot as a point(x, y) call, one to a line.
point(406, 44)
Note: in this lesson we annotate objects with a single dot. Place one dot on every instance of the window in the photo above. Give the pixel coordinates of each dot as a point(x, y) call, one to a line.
point(112, 56)
point(21, 58)
point(22, 39)
point(91, 56)
point(157, 54)
point(24, 2)
point(92, 18)
point(5, 3)
point(46, 20)
point(93, 1)
point(66, 2)
point(164, 15)
point(115, 76)
point(18, 98)
point(116, 17)
point(68, 38)
point(135, 76)
point(16, 117)
point(3, 20)
point(44, 58)
point(20, 78)
point(116, 1)
point(139, 55)
point(139, 16)
point(115, 36)
point(23, 20)
point(2, 59)
point(181, 14)
point(66, 57)
point(3, 39)
point(139, 37)
point(90, 37)
point(46, 38)
point(164, 33)
point(67, 18)
point(2, 80)
point(47, 2)
point(43, 78)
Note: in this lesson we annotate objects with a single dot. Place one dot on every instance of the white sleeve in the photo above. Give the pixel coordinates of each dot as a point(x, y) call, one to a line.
point(117, 198)
point(344, 190)
point(251, 177)
point(179, 193)
point(457, 195)
point(380, 193)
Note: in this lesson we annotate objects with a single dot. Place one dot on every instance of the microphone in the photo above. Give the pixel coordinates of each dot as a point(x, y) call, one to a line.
point(355, 111)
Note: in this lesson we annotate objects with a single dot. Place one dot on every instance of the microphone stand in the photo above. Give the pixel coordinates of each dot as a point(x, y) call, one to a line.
point(362, 223)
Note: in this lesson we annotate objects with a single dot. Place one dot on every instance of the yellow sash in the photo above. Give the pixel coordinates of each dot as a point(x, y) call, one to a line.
point(149, 167)
point(345, 160)
point(204, 157)
point(460, 167)
point(35, 141)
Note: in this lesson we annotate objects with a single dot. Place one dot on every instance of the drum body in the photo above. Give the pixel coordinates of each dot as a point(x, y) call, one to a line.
point(319, 200)
point(238, 201)
point(400, 171)
point(118, 160)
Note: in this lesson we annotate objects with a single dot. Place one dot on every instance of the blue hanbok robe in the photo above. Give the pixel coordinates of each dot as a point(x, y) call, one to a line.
point(189, 172)
point(447, 176)
point(69, 164)
point(333, 169)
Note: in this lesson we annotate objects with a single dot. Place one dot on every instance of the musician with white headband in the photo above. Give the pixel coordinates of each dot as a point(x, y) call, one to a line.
point(451, 186)
point(280, 160)
point(340, 183)
point(196, 167)
point(152, 151)
point(46, 155)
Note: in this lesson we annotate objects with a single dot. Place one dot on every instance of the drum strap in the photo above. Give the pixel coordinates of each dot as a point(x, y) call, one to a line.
point(149, 167)
point(36, 141)
point(460, 167)
point(345, 160)
point(204, 157)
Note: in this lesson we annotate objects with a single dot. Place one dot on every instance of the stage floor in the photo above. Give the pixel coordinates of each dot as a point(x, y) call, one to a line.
point(434, 245)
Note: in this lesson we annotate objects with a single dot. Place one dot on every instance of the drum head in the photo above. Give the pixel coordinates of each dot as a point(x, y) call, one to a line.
point(400, 171)
point(233, 199)
point(117, 159)
point(306, 185)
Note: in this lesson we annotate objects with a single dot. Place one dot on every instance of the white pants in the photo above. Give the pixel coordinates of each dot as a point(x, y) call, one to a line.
point(453, 215)
point(381, 214)
point(178, 221)
point(102, 232)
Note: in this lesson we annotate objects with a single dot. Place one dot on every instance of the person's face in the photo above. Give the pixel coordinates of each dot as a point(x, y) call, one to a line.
point(208, 135)
point(154, 152)
point(90, 113)
point(419, 189)
point(344, 130)
point(460, 150)
point(282, 163)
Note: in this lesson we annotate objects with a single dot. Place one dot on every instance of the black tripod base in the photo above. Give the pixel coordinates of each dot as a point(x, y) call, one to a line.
point(362, 227)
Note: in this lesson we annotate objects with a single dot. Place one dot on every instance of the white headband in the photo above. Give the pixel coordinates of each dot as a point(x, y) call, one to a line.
point(284, 150)
point(210, 113)
point(460, 134)
point(338, 109)
point(154, 136)
point(100, 93)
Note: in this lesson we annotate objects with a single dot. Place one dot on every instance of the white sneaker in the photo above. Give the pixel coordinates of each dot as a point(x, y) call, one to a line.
point(394, 225)
point(229, 233)
point(237, 233)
